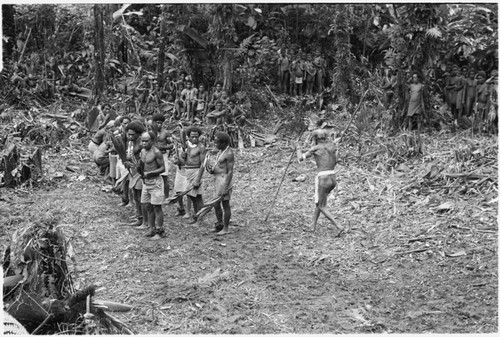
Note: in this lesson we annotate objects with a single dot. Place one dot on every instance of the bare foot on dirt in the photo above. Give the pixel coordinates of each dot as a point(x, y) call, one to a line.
point(143, 226)
point(218, 227)
point(137, 223)
point(223, 232)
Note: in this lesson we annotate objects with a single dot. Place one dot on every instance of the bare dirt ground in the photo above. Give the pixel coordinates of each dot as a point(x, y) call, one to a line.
point(420, 254)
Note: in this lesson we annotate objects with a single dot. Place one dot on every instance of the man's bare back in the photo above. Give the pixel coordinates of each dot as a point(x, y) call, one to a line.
point(325, 182)
point(324, 155)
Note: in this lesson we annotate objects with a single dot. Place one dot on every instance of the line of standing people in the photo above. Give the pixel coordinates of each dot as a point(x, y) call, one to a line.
point(138, 162)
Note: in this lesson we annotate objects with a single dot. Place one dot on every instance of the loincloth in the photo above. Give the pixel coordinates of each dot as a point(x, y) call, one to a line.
point(136, 182)
point(92, 148)
point(113, 161)
point(316, 182)
point(191, 177)
point(121, 171)
point(167, 166)
point(201, 106)
point(180, 182)
point(219, 181)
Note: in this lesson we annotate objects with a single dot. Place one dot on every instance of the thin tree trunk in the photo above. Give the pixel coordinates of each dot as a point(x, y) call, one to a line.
point(227, 71)
point(400, 98)
point(365, 35)
point(297, 26)
point(100, 51)
point(8, 27)
point(161, 54)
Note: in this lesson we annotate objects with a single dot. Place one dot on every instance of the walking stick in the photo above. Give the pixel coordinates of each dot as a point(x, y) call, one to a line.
point(283, 177)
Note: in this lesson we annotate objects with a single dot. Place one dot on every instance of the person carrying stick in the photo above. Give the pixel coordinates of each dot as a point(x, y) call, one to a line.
point(324, 155)
point(194, 158)
point(152, 194)
point(222, 170)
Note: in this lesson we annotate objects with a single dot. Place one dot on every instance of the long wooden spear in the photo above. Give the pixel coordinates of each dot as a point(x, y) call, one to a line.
point(283, 177)
point(353, 114)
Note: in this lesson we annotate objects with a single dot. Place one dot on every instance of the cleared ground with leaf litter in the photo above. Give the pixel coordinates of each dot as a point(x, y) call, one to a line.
point(419, 254)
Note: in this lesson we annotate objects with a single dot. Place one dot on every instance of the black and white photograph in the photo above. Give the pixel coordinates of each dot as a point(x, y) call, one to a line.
point(249, 168)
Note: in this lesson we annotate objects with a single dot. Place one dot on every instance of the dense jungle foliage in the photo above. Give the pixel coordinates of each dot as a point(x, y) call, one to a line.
point(108, 47)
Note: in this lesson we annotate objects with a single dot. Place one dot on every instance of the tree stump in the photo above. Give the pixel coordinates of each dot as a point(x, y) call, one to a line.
point(91, 117)
point(38, 288)
point(30, 165)
point(10, 160)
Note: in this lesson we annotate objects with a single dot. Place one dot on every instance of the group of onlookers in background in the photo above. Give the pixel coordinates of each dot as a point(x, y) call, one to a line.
point(180, 97)
point(301, 73)
point(470, 93)
point(467, 92)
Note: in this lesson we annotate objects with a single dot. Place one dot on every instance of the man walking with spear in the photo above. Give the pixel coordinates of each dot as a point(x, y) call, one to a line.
point(324, 155)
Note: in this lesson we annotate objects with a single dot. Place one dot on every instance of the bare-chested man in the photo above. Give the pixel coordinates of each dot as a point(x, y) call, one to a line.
point(152, 189)
point(222, 169)
point(134, 130)
point(324, 155)
point(218, 116)
point(164, 144)
point(194, 158)
point(142, 92)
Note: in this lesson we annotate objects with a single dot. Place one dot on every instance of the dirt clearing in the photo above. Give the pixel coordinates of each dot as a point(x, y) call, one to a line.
point(420, 253)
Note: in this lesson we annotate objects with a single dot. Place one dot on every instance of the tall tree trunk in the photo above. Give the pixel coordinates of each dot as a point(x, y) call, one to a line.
point(8, 29)
point(227, 71)
point(161, 52)
point(400, 98)
point(100, 51)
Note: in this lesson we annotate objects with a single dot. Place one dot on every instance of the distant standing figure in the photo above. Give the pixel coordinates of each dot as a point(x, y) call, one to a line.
point(470, 93)
point(451, 92)
point(482, 98)
point(142, 91)
point(310, 72)
point(493, 109)
point(460, 89)
point(416, 104)
point(189, 98)
point(216, 95)
point(202, 102)
point(388, 85)
point(284, 71)
point(320, 65)
point(299, 74)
